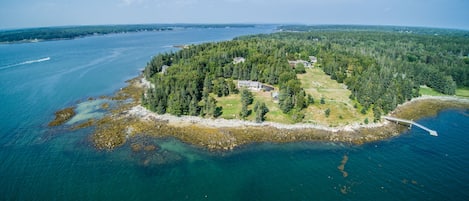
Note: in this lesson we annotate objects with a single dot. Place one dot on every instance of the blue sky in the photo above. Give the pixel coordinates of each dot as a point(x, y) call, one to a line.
point(39, 13)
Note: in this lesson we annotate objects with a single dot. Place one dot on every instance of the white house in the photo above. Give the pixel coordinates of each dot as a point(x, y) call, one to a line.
point(305, 63)
point(313, 59)
point(253, 85)
point(164, 68)
point(238, 60)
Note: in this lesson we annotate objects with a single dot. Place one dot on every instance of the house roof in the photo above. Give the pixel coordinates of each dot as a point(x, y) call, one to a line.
point(237, 60)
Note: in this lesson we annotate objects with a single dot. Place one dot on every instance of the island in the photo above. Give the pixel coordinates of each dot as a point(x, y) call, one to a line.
point(303, 83)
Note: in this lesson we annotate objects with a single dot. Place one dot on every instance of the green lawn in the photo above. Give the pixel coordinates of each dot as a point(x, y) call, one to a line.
point(314, 82)
point(424, 90)
point(336, 95)
point(463, 91)
point(274, 114)
point(231, 106)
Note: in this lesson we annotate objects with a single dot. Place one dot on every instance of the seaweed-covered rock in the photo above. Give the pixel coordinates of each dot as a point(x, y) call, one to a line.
point(109, 135)
point(136, 147)
point(150, 148)
point(86, 124)
point(62, 116)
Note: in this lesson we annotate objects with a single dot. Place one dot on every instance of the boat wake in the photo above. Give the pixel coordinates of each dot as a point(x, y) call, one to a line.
point(25, 63)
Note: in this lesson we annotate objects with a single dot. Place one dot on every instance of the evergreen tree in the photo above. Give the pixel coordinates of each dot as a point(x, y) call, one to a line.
point(300, 68)
point(261, 109)
point(218, 111)
point(161, 107)
point(327, 112)
point(323, 101)
point(194, 108)
point(210, 108)
point(207, 84)
point(310, 99)
point(244, 111)
point(246, 100)
point(246, 97)
point(174, 105)
point(300, 100)
point(286, 102)
point(376, 114)
point(232, 87)
point(363, 111)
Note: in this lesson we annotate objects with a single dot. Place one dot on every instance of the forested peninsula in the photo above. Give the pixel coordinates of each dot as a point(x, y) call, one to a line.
point(298, 84)
point(380, 68)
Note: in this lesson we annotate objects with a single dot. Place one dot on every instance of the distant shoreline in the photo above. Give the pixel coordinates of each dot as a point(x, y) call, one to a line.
point(41, 34)
point(39, 39)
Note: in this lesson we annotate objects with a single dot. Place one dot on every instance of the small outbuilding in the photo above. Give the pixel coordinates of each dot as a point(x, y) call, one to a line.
point(238, 60)
point(275, 95)
point(164, 68)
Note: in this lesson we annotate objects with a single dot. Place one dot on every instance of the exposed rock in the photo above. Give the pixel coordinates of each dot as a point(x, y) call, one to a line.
point(130, 119)
point(62, 116)
point(105, 106)
point(86, 124)
point(150, 148)
point(136, 147)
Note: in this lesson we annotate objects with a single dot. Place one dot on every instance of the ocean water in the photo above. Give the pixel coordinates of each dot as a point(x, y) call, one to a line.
point(39, 163)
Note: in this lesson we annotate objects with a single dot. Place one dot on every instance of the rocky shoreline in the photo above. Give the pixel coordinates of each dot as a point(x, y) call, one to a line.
point(144, 114)
point(130, 119)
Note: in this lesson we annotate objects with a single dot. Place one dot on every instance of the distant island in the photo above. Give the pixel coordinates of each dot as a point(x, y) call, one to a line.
point(71, 32)
point(306, 83)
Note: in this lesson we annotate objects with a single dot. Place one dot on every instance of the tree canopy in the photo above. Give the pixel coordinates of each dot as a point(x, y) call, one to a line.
point(381, 68)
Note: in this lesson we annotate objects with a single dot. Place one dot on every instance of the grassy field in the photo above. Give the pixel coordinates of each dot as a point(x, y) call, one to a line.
point(274, 114)
point(424, 90)
point(231, 106)
point(462, 91)
point(336, 96)
point(316, 83)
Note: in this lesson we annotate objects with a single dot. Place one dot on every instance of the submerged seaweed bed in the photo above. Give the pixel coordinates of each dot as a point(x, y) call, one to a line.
point(119, 126)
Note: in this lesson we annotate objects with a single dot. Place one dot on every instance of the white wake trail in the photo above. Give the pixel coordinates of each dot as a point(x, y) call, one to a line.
point(25, 63)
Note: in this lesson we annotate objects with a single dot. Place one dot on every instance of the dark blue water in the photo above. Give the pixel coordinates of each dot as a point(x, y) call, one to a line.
point(38, 163)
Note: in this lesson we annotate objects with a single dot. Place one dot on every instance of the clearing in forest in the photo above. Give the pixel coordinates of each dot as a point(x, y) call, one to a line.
point(319, 85)
point(336, 97)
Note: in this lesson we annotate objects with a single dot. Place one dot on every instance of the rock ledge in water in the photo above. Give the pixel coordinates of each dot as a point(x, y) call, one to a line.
point(62, 116)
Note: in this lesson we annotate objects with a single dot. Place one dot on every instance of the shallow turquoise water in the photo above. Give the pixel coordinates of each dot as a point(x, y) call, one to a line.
point(38, 163)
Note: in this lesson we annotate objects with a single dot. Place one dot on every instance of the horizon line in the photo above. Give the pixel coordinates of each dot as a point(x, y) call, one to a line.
point(232, 23)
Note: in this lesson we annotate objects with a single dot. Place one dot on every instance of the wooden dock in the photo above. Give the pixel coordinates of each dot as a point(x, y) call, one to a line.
point(430, 131)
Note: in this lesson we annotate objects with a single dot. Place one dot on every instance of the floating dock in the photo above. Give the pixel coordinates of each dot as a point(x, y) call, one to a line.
point(430, 131)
